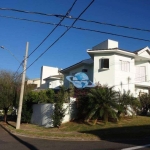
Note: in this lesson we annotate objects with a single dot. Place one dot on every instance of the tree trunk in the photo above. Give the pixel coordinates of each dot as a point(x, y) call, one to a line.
point(95, 121)
point(5, 114)
point(118, 114)
point(106, 117)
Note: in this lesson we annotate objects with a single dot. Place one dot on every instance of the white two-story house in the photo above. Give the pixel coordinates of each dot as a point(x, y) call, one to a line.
point(50, 78)
point(108, 64)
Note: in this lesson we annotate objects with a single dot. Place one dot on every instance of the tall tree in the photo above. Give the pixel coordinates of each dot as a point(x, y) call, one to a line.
point(8, 91)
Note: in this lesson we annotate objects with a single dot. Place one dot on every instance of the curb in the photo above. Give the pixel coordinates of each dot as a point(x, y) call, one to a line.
point(46, 137)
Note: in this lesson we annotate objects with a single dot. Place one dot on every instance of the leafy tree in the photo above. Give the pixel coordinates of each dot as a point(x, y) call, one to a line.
point(8, 91)
point(71, 90)
point(145, 103)
point(126, 100)
point(102, 102)
point(50, 95)
point(45, 96)
point(42, 97)
point(34, 97)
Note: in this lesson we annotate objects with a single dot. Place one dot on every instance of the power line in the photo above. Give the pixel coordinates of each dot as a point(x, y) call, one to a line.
point(37, 13)
point(80, 19)
point(53, 28)
point(114, 25)
point(125, 36)
point(78, 28)
point(19, 67)
point(36, 21)
point(60, 35)
point(67, 13)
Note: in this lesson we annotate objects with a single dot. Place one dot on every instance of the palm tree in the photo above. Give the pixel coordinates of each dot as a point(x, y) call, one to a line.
point(102, 103)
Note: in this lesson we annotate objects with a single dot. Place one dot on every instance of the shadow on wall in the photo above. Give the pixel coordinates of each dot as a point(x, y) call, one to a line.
point(42, 114)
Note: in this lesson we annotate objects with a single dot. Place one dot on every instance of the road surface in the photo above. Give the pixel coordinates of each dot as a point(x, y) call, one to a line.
point(9, 141)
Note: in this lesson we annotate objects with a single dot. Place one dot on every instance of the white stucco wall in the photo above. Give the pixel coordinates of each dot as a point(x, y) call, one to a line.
point(47, 71)
point(144, 54)
point(54, 84)
point(124, 80)
point(104, 76)
point(107, 45)
point(114, 76)
point(42, 113)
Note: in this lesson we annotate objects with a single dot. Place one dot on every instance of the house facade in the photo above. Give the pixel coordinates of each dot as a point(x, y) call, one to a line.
point(35, 82)
point(50, 78)
point(108, 64)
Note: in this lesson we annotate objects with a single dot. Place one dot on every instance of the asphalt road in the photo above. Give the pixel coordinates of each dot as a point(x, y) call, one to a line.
point(9, 141)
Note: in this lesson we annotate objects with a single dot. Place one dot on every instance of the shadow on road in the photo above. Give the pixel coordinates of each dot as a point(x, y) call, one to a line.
point(30, 146)
point(127, 135)
point(11, 125)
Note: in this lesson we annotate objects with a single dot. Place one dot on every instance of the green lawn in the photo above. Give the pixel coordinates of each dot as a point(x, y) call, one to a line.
point(136, 127)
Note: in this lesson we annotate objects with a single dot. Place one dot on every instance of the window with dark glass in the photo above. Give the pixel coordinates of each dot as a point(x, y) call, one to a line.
point(104, 63)
point(84, 70)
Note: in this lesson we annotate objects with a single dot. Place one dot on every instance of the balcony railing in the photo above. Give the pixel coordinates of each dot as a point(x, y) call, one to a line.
point(140, 78)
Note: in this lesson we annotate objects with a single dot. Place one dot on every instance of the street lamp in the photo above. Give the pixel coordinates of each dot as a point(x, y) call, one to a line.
point(2, 47)
point(22, 84)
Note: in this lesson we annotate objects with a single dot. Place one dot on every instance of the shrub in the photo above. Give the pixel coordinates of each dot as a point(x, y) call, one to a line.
point(82, 101)
point(59, 111)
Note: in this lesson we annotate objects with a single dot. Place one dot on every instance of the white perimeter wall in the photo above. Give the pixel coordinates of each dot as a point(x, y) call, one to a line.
point(42, 113)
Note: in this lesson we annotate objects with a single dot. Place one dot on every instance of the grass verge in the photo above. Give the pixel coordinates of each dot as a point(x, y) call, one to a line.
point(128, 128)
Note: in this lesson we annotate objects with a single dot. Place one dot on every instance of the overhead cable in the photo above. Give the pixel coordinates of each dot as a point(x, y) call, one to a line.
point(53, 28)
point(60, 35)
point(79, 28)
point(71, 17)
point(67, 13)
point(33, 12)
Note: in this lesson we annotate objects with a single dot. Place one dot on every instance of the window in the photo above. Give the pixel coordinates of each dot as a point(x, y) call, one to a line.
point(84, 70)
point(124, 65)
point(104, 63)
point(140, 75)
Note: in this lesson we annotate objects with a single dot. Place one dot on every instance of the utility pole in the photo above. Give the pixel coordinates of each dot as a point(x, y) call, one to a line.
point(22, 89)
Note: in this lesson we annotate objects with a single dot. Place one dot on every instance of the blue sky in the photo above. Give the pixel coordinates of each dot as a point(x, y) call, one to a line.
point(72, 47)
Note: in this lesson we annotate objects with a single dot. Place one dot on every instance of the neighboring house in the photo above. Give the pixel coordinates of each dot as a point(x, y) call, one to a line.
point(50, 78)
point(125, 70)
point(35, 82)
